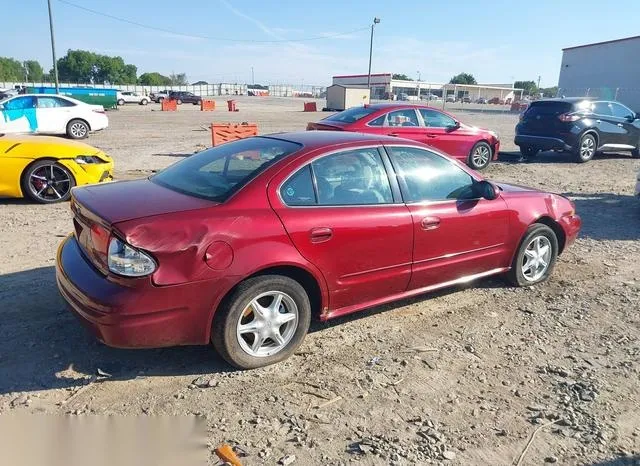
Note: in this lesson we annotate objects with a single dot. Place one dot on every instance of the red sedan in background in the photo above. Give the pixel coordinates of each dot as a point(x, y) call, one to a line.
point(242, 244)
point(474, 146)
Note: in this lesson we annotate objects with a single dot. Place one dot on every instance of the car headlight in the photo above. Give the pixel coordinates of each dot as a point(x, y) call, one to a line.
point(128, 261)
point(88, 159)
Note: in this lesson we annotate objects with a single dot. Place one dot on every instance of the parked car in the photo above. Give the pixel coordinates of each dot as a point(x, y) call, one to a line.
point(496, 101)
point(159, 96)
point(50, 114)
point(44, 169)
point(481, 100)
point(130, 97)
point(242, 244)
point(466, 100)
point(473, 146)
point(578, 125)
point(451, 98)
point(185, 97)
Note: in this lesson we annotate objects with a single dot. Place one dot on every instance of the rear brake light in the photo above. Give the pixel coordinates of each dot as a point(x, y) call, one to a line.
point(568, 117)
point(128, 261)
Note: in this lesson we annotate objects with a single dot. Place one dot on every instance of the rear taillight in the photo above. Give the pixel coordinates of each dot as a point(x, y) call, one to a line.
point(100, 240)
point(128, 261)
point(568, 117)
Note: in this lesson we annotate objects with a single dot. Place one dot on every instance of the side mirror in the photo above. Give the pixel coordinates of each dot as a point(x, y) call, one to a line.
point(454, 126)
point(486, 190)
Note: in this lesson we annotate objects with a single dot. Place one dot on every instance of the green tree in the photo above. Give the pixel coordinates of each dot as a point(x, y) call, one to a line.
point(463, 78)
point(88, 67)
point(200, 83)
point(154, 79)
point(179, 79)
point(11, 69)
point(529, 87)
point(401, 77)
point(35, 73)
point(549, 91)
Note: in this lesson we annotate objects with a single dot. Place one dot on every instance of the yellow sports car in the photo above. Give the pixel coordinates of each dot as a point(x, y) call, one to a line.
point(45, 169)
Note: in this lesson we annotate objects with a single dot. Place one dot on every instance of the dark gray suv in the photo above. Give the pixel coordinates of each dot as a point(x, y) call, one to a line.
point(581, 126)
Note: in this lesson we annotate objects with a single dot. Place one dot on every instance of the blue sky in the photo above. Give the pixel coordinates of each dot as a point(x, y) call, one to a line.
point(496, 41)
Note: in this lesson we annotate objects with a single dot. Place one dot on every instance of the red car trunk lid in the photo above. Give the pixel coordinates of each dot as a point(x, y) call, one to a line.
point(326, 126)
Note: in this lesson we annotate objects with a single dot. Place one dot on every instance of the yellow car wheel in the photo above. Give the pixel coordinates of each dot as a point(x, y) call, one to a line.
point(46, 182)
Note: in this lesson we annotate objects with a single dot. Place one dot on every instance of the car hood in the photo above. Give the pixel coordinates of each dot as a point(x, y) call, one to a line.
point(128, 200)
point(33, 147)
point(514, 188)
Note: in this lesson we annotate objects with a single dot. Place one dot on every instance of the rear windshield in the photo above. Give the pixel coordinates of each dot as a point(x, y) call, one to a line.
point(352, 115)
point(217, 173)
point(549, 108)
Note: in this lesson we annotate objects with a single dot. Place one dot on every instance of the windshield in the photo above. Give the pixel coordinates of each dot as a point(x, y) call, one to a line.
point(352, 115)
point(217, 173)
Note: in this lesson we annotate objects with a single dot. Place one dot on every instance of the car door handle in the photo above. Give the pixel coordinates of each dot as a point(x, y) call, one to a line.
point(430, 223)
point(432, 136)
point(598, 121)
point(395, 135)
point(320, 235)
point(620, 125)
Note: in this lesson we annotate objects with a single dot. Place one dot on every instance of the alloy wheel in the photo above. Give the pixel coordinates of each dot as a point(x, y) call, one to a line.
point(536, 258)
point(587, 148)
point(78, 130)
point(50, 183)
point(481, 156)
point(267, 324)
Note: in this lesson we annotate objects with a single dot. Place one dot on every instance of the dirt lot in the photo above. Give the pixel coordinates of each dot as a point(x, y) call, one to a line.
point(461, 377)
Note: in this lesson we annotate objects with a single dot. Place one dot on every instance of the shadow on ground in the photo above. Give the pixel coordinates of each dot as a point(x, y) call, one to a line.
point(624, 461)
point(42, 340)
point(608, 216)
point(556, 157)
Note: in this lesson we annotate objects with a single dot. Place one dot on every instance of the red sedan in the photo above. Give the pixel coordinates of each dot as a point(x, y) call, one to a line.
point(241, 245)
point(474, 146)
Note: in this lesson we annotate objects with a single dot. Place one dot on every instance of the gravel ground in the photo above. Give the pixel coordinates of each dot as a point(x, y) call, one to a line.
point(464, 376)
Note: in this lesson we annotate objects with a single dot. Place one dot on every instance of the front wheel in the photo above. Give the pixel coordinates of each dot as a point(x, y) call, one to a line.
point(77, 129)
point(536, 256)
point(47, 182)
point(586, 148)
point(197, 103)
point(120, 102)
point(262, 322)
point(179, 102)
point(144, 102)
point(480, 156)
point(635, 153)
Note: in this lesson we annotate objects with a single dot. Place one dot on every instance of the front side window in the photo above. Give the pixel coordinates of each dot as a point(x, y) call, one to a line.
point(430, 177)
point(355, 177)
point(20, 103)
point(435, 119)
point(621, 111)
point(217, 173)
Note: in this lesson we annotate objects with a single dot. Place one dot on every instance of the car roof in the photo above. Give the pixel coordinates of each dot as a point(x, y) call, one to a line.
point(566, 99)
point(391, 106)
point(317, 139)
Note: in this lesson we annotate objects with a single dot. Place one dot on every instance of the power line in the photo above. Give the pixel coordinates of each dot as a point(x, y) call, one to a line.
point(196, 36)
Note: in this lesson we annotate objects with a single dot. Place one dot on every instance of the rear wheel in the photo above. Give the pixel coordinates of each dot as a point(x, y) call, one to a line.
point(144, 102)
point(159, 100)
point(536, 256)
point(77, 129)
point(120, 102)
point(262, 322)
point(529, 151)
point(179, 102)
point(47, 182)
point(635, 153)
point(586, 148)
point(480, 156)
point(197, 103)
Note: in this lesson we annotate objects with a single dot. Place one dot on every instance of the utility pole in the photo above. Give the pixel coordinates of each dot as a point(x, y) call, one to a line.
point(538, 83)
point(253, 79)
point(53, 49)
point(419, 85)
point(375, 21)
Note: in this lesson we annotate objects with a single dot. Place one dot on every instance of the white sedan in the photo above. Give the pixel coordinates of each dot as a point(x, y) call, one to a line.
point(50, 114)
point(130, 97)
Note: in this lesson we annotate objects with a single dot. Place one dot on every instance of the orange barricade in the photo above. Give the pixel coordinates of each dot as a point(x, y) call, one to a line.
point(207, 105)
point(169, 105)
point(231, 105)
point(227, 132)
point(310, 107)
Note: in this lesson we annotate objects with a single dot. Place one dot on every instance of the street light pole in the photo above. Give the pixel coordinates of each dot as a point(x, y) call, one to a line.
point(253, 79)
point(53, 49)
point(375, 21)
point(419, 85)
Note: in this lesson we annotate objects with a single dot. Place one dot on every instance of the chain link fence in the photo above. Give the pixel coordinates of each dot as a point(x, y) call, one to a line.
point(625, 95)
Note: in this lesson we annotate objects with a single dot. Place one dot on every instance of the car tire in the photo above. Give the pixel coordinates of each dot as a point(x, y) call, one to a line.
point(159, 100)
point(236, 347)
point(635, 153)
point(529, 151)
point(144, 102)
point(480, 156)
point(62, 178)
point(120, 102)
point(526, 270)
point(587, 148)
point(78, 129)
point(179, 102)
point(197, 103)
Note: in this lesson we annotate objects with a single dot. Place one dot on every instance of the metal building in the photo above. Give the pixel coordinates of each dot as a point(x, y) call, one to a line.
point(607, 70)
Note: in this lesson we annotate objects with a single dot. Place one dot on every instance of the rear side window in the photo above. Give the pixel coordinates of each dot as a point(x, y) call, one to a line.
point(550, 108)
point(352, 115)
point(217, 173)
point(602, 108)
point(298, 190)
